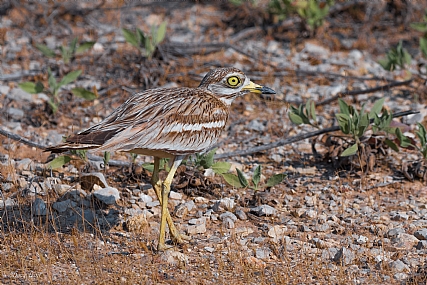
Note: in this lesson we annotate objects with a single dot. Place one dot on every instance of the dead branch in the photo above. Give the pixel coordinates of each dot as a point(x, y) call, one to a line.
point(365, 91)
point(293, 139)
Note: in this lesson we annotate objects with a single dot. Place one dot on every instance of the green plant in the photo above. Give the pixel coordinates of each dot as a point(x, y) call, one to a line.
point(304, 114)
point(67, 52)
point(312, 12)
point(146, 43)
point(240, 180)
point(422, 27)
point(397, 56)
point(64, 159)
point(54, 88)
point(422, 135)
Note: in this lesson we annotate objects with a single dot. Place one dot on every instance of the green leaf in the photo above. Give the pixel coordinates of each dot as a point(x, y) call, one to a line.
point(257, 176)
point(83, 93)
point(242, 178)
point(423, 46)
point(160, 33)
point(140, 36)
point(130, 37)
point(386, 64)
point(51, 79)
point(148, 166)
point(296, 119)
point(221, 167)
point(73, 46)
point(344, 108)
point(59, 161)
point(232, 179)
point(403, 140)
point(351, 150)
point(107, 156)
point(313, 110)
point(376, 109)
point(275, 179)
point(392, 145)
point(85, 46)
point(206, 160)
point(45, 50)
point(31, 87)
point(422, 134)
point(420, 27)
point(70, 77)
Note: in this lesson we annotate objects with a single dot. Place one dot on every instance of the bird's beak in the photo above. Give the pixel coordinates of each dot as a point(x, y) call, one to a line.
point(258, 89)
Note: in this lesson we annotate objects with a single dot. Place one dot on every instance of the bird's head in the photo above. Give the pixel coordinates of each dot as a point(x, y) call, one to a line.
point(228, 83)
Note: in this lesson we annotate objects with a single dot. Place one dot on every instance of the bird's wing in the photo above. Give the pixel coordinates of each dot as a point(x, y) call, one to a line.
point(179, 120)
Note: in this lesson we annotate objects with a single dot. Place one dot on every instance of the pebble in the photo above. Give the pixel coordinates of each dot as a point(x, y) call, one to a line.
point(421, 234)
point(175, 258)
point(422, 244)
point(64, 205)
point(263, 253)
point(399, 266)
point(344, 256)
point(264, 210)
point(241, 214)
point(108, 195)
point(39, 207)
point(175, 195)
point(9, 202)
point(392, 233)
point(404, 241)
point(277, 232)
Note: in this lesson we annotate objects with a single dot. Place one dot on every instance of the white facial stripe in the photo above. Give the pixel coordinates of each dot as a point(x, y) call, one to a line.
point(180, 127)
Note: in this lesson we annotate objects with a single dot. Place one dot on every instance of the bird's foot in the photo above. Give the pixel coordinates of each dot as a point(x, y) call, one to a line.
point(180, 238)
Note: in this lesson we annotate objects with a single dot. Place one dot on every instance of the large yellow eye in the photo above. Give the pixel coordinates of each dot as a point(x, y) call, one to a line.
point(233, 81)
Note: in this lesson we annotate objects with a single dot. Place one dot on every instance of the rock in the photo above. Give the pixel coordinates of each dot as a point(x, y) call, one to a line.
point(361, 239)
point(228, 215)
point(297, 213)
point(310, 201)
point(4, 89)
point(15, 113)
point(422, 244)
point(264, 210)
point(184, 208)
point(404, 241)
point(201, 200)
point(321, 228)
point(400, 276)
point(226, 203)
point(209, 249)
point(153, 204)
point(421, 234)
point(88, 180)
point(400, 217)
point(315, 49)
point(329, 253)
point(254, 262)
point(17, 94)
point(174, 257)
point(9, 202)
point(39, 207)
point(277, 232)
point(198, 221)
point(304, 228)
point(392, 233)
point(108, 195)
point(64, 205)
point(256, 125)
point(241, 214)
point(344, 256)
point(61, 189)
point(24, 164)
point(196, 229)
point(263, 253)
point(244, 231)
point(228, 219)
point(310, 214)
point(399, 266)
point(318, 243)
point(175, 195)
point(145, 198)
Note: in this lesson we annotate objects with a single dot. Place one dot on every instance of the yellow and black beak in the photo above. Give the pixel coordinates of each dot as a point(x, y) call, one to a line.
point(258, 89)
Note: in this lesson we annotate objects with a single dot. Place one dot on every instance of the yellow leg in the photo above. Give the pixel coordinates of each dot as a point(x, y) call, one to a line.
point(163, 198)
point(157, 185)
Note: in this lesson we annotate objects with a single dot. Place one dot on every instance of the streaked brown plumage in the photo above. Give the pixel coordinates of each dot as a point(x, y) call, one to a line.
point(168, 123)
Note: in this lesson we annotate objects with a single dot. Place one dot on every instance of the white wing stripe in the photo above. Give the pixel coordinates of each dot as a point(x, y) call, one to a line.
point(180, 127)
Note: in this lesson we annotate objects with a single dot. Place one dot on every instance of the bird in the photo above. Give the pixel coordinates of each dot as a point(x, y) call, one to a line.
point(168, 123)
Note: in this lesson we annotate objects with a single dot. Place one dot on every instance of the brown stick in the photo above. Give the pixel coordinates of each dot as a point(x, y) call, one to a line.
point(365, 91)
point(293, 139)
